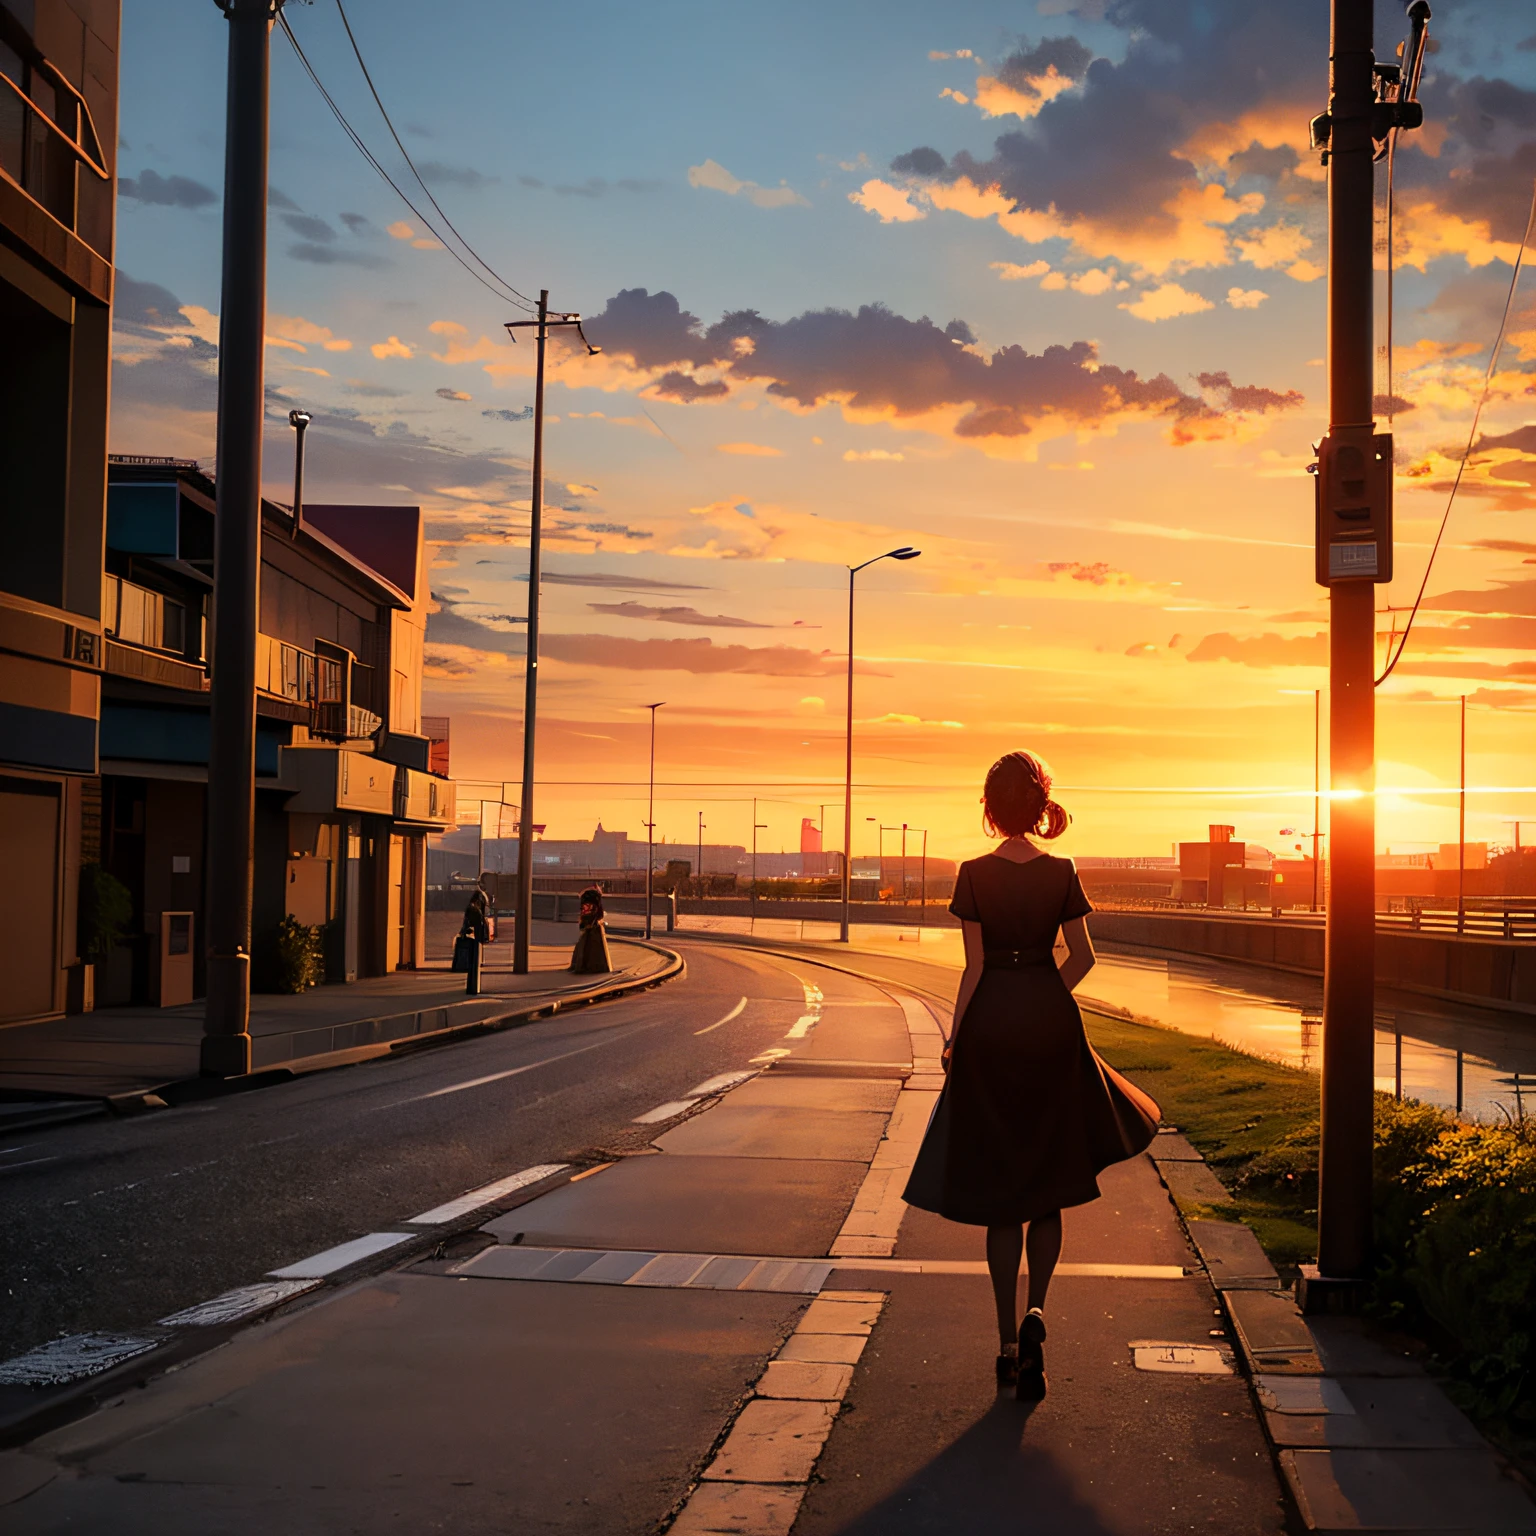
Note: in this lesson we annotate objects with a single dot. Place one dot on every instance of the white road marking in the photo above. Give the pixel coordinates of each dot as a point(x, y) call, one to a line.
point(803, 1026)
point(775, 1052)
point(719, 1084)
point(31, 1162)
point(68, 1359)
point(241, 1302)
point(318, 1265)
point(453, 1209)
point(735, 1013)
point(664, 1112)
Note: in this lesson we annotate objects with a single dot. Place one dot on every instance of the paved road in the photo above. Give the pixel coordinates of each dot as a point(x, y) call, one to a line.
point(112, 1224)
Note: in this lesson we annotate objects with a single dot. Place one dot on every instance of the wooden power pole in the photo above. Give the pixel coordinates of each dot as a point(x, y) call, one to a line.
point(1366, 103)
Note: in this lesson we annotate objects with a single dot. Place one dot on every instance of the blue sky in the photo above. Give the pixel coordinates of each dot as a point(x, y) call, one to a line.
point(1094, 521)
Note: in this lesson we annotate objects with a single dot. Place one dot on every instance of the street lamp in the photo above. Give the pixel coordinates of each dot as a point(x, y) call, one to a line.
point(699, 872)
point(299, 421)
point(650, 821)
point(757, 826)
point(905, 552)
point(546, 320)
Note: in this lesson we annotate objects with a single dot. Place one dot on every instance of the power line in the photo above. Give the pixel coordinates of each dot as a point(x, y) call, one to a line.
point(1477, 416)
point(405, 155)
point(369, 156)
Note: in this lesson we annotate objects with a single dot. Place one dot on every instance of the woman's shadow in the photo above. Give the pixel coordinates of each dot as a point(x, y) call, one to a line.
point(990, 1479)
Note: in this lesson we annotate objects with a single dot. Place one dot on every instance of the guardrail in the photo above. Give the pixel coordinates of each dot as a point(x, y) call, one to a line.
point(1516, 922)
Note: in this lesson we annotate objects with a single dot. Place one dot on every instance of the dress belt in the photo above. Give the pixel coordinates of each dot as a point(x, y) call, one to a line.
point(1015, 959)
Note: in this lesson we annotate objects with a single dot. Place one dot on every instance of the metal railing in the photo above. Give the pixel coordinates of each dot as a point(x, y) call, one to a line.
point(1480, 918)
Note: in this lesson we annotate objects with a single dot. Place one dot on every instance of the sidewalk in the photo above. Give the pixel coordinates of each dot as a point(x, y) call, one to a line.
point(744, 1331)
point(118, 1053)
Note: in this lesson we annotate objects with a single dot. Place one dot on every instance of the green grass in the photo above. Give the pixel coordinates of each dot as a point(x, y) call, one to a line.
point(1255, 1122)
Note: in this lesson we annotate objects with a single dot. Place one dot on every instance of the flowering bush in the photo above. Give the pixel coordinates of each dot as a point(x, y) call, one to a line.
point(1456, 1247)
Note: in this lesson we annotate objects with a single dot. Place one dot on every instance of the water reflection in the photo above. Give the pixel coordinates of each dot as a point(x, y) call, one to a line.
point(1477, 1061)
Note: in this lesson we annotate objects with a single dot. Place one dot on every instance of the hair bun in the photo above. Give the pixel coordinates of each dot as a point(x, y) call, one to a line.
point(1053, 820)
point(1017, 799)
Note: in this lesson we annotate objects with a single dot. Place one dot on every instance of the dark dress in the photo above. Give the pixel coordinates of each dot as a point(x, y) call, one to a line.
point(590, 956)
point(1029, 1114)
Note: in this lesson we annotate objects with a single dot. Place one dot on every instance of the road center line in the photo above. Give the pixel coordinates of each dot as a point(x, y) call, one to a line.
point(735, 1013)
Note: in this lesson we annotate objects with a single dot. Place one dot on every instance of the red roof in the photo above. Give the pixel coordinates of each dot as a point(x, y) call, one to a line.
point(386, 539)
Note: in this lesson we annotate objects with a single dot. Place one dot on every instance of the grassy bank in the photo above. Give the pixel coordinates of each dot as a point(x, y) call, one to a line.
point(1255, 1122)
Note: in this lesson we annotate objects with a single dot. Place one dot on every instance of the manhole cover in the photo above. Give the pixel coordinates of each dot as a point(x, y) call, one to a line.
point(1182, 1359)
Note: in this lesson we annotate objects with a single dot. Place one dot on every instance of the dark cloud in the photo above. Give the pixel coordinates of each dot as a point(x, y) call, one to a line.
point(448, 626)
point(1269, 650)
point(575, 529)
point(280, 200)
point(1116, 149)
point(1488, 670)
point(876, 359)
point(310, 227)
point(330, 256)
point(526, 414)
point(678, 615)
point(613, 581)
point(181, 378)
point(1518, 597)
point(452, 394)
point(701, 657)
point(923, 161)
point(166, 191)
point(1064, 56)
point(1508, 547)
point(455, 175)
point(360, 226)
point(682, 387)
point(145, 304)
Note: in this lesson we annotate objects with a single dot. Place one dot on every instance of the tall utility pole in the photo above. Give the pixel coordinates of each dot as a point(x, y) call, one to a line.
point(906, 552)
point(1354, 552)
point(700, 871)
point(522, 918)
point(226, 1047)
point(1317, 781)
point(650, 822)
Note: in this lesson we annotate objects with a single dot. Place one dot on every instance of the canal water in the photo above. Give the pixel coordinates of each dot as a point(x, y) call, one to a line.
point(1477, 1061)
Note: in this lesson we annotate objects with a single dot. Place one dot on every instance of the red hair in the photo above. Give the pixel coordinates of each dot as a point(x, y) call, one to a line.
point(1016, 800)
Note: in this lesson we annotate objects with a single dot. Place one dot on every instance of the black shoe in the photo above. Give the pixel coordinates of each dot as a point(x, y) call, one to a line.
point(1007, 1370)
point(1031, 1378)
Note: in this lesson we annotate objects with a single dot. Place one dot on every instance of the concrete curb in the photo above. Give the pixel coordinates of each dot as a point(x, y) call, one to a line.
point(188, 1090)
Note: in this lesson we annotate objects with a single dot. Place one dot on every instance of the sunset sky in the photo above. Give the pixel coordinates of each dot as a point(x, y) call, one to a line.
point(1037, 287)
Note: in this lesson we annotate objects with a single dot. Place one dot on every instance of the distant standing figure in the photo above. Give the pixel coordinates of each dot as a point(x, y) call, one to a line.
point(590, 957)
point(1029, 1114)
point(477, 918)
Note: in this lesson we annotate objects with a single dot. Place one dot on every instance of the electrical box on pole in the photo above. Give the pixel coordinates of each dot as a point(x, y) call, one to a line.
point(1354, 506)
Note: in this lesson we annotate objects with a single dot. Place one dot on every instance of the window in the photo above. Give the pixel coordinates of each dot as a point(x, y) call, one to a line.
point(136, 616)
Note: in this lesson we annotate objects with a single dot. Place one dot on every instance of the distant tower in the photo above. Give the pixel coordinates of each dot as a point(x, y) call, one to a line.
point(810, 835)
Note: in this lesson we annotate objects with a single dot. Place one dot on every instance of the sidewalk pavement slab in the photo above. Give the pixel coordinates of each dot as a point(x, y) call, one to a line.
point(420, 1403)
point(925, 1444)
point(1173, 1147)
point(115, 1052)
point(779, 1089)
point(1384, 1412)
point(783, 1207)
point(1193, 1184)
point(753, 1130)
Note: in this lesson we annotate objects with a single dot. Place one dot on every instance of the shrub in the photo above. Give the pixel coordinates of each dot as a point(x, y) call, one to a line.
point(105, 911)
point(1456, 1246)
point(294, 958)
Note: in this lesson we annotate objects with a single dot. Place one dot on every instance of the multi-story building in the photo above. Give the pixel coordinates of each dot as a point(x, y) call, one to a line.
point(58, 137)
point(345, 795)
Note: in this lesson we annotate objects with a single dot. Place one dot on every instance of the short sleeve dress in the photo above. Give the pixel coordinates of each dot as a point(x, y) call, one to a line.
point(1029, 1115)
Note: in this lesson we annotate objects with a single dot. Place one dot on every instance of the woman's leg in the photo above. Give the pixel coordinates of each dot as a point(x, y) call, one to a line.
point(1044, 1248)
point(1005, 1247)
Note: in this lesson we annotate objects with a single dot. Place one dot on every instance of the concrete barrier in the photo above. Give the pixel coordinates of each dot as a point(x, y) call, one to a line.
point(1498, 973)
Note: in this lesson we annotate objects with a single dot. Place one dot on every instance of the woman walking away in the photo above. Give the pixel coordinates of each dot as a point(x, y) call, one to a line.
point(1029, 1115)
point(590, 957)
